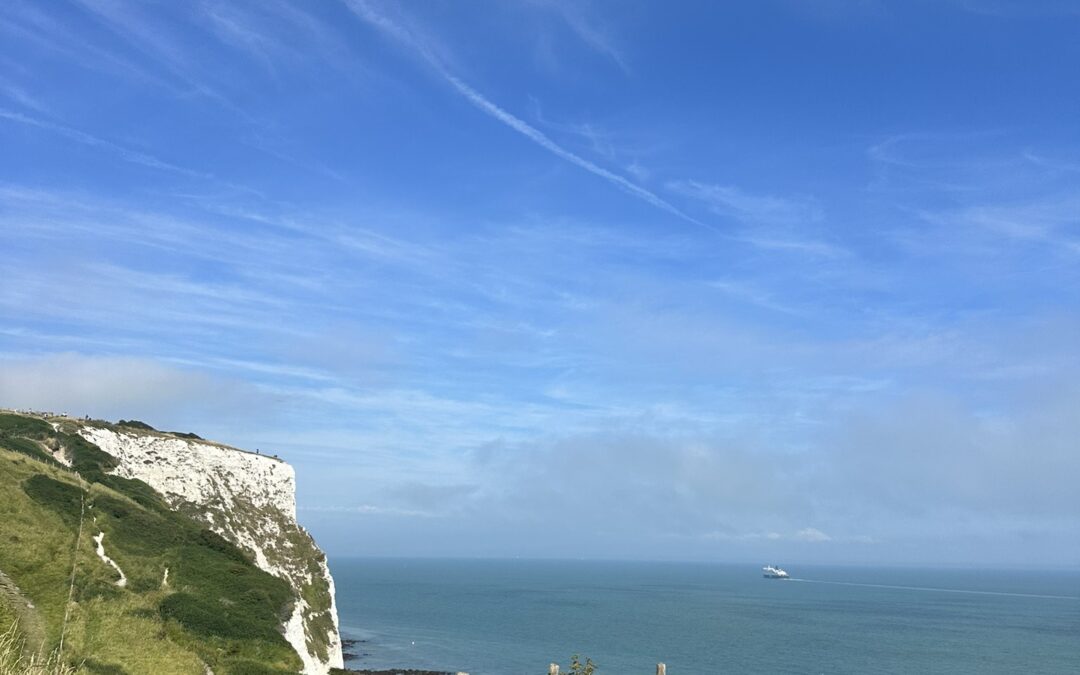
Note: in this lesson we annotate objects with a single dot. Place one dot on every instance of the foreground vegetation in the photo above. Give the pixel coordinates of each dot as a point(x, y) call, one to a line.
point(191, 598)
point(16, 659)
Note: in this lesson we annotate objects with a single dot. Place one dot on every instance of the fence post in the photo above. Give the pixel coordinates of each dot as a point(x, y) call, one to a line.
point(661, 669)
point(553, 669)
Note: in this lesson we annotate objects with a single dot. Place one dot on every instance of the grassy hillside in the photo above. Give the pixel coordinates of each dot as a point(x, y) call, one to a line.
point(191, 597)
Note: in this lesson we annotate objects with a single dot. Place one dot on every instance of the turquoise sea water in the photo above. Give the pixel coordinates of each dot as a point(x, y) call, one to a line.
point(509, 617)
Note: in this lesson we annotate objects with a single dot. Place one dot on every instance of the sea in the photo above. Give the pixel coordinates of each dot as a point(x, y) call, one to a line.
point(514, 617)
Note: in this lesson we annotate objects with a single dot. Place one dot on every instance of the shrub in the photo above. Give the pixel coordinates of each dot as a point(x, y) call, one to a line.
point(20, 425)
point(135, 424)
point(90, 461)
point(18, 433)
point(186, 434)
point(26, 447)
point(138, 491)
point(579, 668)
point(215, 542)
point(64, 498)
point(204, 616)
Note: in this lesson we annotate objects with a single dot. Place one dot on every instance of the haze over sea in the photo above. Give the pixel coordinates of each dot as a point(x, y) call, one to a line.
point(513, 617)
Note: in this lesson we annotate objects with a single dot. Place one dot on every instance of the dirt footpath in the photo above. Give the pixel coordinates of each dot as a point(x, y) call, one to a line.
point(31, 625)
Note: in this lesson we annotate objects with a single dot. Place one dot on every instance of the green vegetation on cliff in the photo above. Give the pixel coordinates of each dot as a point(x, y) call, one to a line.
point(190, 598)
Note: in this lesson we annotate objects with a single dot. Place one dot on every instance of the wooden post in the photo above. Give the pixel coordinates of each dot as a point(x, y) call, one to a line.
point(553, 669)
point(661, 669)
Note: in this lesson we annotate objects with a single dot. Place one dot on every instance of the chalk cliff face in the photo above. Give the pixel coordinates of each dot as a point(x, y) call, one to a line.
point(249, 499)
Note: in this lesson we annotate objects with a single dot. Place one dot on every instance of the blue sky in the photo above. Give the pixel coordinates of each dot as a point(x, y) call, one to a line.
point(717, 281)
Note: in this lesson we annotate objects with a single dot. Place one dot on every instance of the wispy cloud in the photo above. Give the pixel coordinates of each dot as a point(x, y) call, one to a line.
point(778, 242)
point(125, 153)
point(128, 21)
point(746, 292)
point(410, 40)
point(1020, 8)
point(43, 30)
point(807, 535)
point(596, 38)
point(1046, 221)
point(21, 96)
point(812, 534)
point(981, 203)
point(755, 209)
point(158, 43)
point(279, 35)
point(775, 223)
point(239, 31)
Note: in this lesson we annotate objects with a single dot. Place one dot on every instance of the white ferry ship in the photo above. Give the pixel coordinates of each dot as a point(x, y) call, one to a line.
point(773, 572)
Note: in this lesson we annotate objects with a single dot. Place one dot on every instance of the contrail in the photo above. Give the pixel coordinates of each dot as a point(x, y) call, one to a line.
point(127, 154)
point(403, 35)
point(538, 137)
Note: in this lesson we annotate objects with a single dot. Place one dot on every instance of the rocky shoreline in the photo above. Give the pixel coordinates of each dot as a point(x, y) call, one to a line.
point(339, 671)
point(347, 649)
point(349, 653)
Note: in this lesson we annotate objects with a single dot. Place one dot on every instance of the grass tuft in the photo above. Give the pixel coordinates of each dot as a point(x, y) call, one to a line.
point(14, 659)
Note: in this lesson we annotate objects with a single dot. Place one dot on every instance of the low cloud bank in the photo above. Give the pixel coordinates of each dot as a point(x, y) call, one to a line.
point(108, 387)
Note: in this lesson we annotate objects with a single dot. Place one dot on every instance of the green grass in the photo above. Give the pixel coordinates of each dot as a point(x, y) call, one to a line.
point(8, 617)
point(21, 434)
point(27, 447)
point(15, 659)
point(22, 425)
point(218, 608)
point(61, 497)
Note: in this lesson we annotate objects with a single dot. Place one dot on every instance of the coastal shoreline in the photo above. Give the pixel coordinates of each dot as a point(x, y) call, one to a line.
point(390, 672)
point(348, 644)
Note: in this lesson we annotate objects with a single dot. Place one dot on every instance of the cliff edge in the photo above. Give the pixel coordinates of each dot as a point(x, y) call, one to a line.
point(250, 499)
point(128, 550)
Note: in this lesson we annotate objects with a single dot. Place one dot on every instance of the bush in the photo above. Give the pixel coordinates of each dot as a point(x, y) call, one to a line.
point(186, 434)
point(18, 433)
point(215, 542)
point(26, 447)
point(64, 498)
point(20, 425)
point(138, 531)
point(204, 616)
point(579, 668)
point(135, 424)
point(90, 461)
point(138, 491)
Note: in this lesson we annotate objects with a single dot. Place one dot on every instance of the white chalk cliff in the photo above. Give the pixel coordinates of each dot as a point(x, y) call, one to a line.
point(249, 499)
